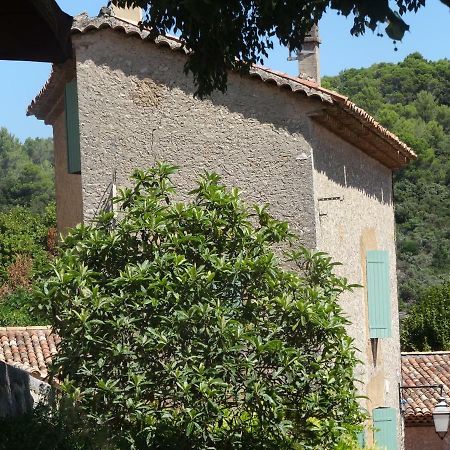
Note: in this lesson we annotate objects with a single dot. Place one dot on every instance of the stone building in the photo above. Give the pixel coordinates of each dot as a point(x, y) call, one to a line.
point(321, 162)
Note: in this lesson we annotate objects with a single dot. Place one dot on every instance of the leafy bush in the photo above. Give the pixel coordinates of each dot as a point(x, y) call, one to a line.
point(16, 310)
point(27, 221)
point(24, 233)
point(427, 325)
point(26, 243)
point(182, 330)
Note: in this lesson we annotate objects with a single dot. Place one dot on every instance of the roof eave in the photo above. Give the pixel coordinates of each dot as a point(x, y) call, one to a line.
point(42, 18)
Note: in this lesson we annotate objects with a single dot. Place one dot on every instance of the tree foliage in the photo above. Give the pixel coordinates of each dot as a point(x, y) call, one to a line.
point(47, 427)
point(25, 233)
point(222, 35)
point(181, 329)
point(412, 100)
point(26, 172)
point(27, 221)
point(427, 326)
point(26, 244)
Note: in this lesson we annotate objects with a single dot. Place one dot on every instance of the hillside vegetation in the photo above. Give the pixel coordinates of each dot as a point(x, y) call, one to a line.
point(412, 99)
point(27, 221)
point(26, 172)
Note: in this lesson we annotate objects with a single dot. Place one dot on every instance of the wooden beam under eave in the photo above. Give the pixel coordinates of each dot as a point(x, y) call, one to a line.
point(34, 30)
point(367, 136)
point(381, 137)
point(365, 140)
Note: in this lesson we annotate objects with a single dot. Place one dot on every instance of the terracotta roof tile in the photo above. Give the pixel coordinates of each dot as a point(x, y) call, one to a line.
point(399, 156)
point(29, 348)
point(423, 368)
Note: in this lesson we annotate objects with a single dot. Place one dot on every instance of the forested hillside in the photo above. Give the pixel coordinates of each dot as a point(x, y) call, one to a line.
point(27, 221)
point(26, 172)
point(412, 99)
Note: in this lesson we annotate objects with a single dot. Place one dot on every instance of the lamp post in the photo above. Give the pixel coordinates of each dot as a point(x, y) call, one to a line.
point(441, 417)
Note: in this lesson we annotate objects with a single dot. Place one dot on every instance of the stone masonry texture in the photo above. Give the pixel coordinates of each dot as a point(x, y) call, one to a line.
point(359, 217)
point(137, 107)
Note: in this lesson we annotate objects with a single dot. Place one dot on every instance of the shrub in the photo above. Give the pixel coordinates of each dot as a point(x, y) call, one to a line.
point(427, 325)
point(181, 329)
point(24, 233)
point(26, 243)
point(47, 427)
point(16, 310)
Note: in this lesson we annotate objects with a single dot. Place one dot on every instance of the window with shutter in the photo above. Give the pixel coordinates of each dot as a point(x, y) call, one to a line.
point(72, 127)
point(378, 293)
point(385, 428)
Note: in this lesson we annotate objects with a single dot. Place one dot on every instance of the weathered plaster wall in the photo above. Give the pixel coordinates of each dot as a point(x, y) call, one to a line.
point(361, 219)
point(137, 107)
point(425, 438)
point(69, 203)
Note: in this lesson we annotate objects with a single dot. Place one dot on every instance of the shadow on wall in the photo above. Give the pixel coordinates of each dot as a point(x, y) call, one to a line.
point(15, 395)
point(158, 69)
point(348, 167)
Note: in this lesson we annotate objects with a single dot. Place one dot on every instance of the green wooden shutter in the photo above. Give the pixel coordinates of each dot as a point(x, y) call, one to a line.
point(362, 438)
point(72, 128)
point(378, 293)
point(385, 428)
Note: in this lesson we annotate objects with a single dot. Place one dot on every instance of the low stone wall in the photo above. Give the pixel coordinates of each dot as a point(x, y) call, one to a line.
point(19, 391)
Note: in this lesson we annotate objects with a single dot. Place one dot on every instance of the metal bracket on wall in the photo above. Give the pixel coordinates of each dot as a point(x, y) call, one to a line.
point(328, 199)
point(403, 401)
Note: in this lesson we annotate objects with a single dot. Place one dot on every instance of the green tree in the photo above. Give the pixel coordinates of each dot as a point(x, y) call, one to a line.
point(23, 232)
point(222, 35)
point(39, 150)
point(26, 172)
point(181, 329)
point(427, 326)
point(25, 246)
point(47, 427)
point(26, 217)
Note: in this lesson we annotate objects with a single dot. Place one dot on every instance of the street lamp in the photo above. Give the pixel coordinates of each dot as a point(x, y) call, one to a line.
point(441, 412)
point(441, 417)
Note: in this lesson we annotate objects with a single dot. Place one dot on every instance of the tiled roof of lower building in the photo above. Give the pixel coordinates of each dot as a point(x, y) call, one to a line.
point(29, 348)
point(424, 369)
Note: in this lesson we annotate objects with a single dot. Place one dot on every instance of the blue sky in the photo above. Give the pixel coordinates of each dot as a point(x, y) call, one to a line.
point(430, 35)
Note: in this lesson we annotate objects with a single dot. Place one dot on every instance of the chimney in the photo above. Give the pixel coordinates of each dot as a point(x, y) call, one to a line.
point(131, 15)
point(308, 58)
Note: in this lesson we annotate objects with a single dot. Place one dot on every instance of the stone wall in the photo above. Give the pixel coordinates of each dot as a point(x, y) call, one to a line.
point(137, 107)
point(354, 213)
point(15, 395)
point(19, 391)
point(69, 206)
